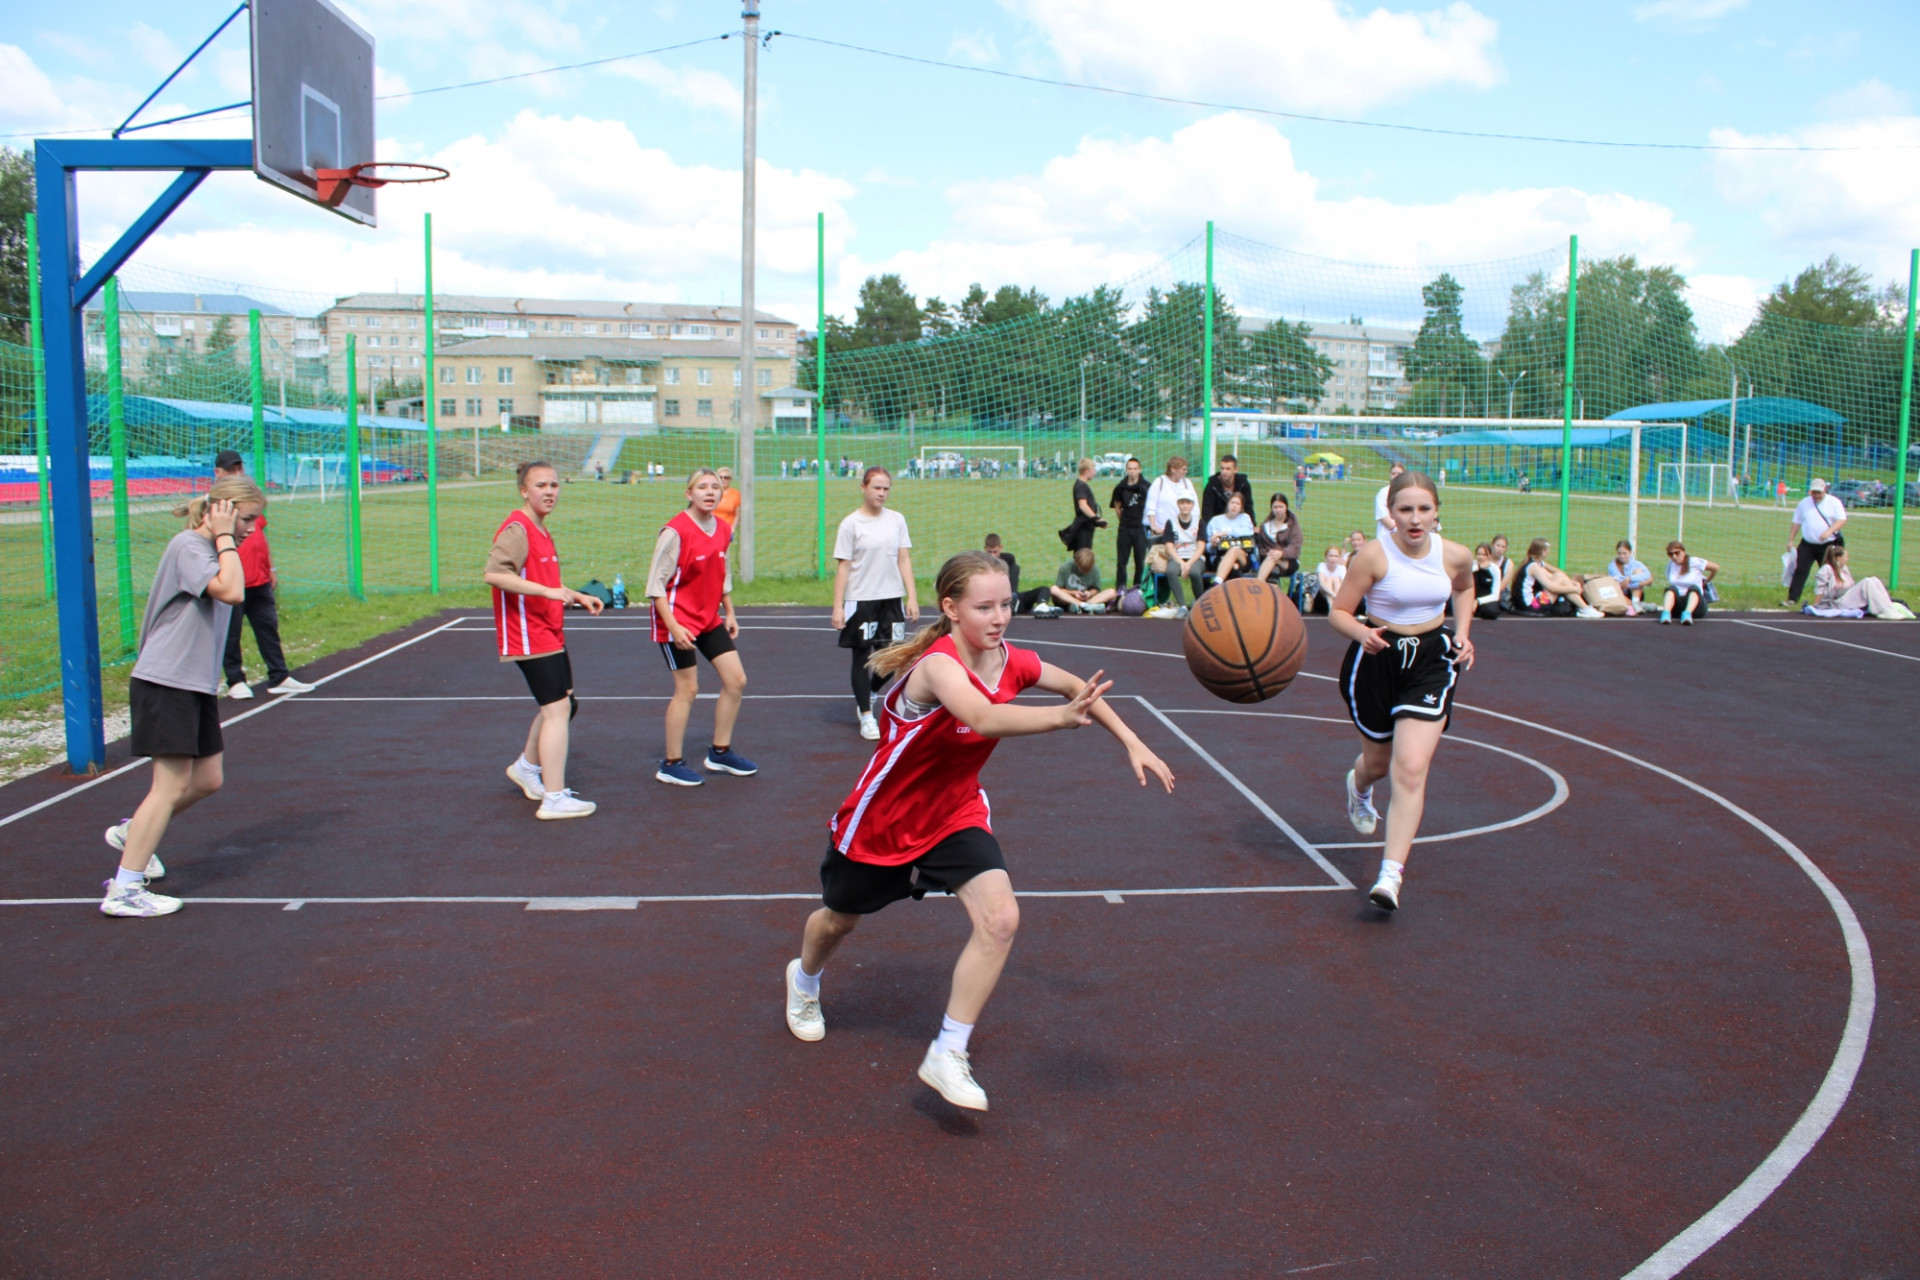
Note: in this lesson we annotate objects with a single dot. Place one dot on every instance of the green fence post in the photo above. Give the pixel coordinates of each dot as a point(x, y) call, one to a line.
point(355, 586)
point(432, 407)
point(1906, 417)
point(35, 340)
point(117, 443)
point(258, 389)
point(1206, 371)
point(820, 394)
point(1566, 404)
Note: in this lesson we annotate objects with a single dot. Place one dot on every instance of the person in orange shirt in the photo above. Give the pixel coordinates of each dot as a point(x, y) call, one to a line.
point(729, 508)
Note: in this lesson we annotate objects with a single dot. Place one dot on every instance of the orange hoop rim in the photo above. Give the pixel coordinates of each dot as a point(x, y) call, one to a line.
point(331, 185)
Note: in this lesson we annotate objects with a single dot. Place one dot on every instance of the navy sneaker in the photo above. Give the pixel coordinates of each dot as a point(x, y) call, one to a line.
point(679, 773)
point(730, 761)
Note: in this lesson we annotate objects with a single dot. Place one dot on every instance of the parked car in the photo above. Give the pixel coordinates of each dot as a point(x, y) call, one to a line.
point(1913, 495)
point(1110, 464)
point(1863, 493)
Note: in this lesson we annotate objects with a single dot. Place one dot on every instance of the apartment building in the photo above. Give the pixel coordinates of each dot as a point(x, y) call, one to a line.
point(1369, 364)
point(156, 326)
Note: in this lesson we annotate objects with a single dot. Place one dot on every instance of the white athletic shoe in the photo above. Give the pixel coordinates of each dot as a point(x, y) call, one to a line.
point(950, 1075)
point(240, 692)
point(290, 685)
point(134, 900)
point(527, 778)
point(1385, 893)
point(869, 726)
point(117, 839)
point(804, 1018)
point(1588, 611)
point(563, 804)
point(1360, 810)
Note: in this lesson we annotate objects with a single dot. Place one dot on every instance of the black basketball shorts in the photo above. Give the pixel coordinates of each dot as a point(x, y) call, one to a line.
point(862, 888)
point(712, 642)
point(1413, 677)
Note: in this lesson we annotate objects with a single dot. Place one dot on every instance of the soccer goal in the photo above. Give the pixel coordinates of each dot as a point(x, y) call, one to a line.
point(317, 470)
point(959, 461)
point(1690, 481)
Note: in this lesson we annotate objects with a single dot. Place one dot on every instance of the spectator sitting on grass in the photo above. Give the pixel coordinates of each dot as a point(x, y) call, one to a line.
point(1277, 541)
point(1632, 576)
point(1076, 588)
point(1327, 577)
point(1834, 588)
point(1543, 590)
point(1687, 579)
point(1230, 539)
point(1181, 555)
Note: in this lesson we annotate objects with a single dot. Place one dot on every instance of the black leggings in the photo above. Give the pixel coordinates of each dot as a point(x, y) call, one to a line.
point(865, 683)
point(1130, 539)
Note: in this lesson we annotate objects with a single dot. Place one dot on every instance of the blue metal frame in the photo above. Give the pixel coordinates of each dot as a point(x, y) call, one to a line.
point(64, 293)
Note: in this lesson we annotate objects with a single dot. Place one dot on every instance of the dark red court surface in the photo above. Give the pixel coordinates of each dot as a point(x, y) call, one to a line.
point(1633, 1029)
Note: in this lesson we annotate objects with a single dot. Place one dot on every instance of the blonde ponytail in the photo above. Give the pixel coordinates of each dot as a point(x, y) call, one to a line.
point(237, 489)
point(951, 584)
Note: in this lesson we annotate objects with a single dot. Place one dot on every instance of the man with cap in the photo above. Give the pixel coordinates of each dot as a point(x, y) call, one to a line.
point(258, 608)
point(1817, 522)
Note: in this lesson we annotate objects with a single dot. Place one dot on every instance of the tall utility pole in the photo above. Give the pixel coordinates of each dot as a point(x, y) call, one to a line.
point(749, 389)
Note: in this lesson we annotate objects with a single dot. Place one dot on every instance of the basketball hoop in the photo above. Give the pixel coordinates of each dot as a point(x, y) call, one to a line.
point(331, 185)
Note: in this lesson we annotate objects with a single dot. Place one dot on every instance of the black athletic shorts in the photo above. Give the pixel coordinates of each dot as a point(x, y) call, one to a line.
point(713, 642)
point(875, 624)
point(1413, 677)
point(861, 888)
point(173, 722)
point(549, 676)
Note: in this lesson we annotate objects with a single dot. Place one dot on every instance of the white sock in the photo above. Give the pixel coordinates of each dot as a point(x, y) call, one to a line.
point(123, 877)
point(807, 984)
point(1389, 869)
point(953, 1036)
point(528, 766)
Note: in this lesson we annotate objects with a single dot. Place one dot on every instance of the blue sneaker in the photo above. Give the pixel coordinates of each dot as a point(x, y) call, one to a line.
point(730, 761)
point(679, 773)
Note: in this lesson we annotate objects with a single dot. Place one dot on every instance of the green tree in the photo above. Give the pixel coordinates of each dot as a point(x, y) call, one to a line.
point(221, 342)
point(1444, 363)
point(887, 313)
point(1168, 345)
point(16, 202)
point(1283, 370)
point(1836, 293)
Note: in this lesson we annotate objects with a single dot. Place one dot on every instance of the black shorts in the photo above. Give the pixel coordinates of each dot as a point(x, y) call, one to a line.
point(875, 624)
point(549, 677)
point(713, 642)
point(1413, 677)
point(173, 722)
point(861, 888)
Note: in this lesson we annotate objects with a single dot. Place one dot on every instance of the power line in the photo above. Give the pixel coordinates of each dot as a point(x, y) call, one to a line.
point(1313, 119)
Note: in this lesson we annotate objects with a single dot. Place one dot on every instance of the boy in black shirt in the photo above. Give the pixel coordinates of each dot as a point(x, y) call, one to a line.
point(1130, 500)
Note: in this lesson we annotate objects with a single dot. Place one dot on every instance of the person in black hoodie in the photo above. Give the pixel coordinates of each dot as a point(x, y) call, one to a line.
point(1130, 500)
point(1227, 480)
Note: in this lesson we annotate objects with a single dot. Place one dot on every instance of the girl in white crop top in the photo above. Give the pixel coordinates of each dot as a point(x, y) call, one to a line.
point(1400, 672)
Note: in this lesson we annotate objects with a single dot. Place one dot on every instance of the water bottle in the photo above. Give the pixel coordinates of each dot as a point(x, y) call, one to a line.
point(619, 591)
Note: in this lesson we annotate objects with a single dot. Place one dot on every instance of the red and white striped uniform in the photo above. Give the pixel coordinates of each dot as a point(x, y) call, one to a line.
point(527, 626)
point(923, 783)
point(694, 591)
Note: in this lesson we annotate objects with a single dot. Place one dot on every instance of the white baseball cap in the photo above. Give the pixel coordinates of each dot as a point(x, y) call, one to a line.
point(1817, 484)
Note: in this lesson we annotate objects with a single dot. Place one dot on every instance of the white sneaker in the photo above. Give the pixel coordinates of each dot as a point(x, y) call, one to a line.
point(1385, 893)
point(1588, 611)
point(117, 838)
point(869, 726)
point(563, 804)
point(950, 1075)
point(527, 778)
point(134, 900)
point(804, 1018)
point(240, 692)
point(290, 685)
point(1360, 810)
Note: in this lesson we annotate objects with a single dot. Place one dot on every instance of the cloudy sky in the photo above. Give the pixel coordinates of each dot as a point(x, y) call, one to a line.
point(622, 181)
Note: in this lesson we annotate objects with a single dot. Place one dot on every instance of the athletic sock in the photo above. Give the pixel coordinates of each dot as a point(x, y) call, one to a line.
point(807, 984)
point(1388, 867)
point(674, 760)
point(953, 1036)
point(526, 765)
point(123, 877)
point(720, 750)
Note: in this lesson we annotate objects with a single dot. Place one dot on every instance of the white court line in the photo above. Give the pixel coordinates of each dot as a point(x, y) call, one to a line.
point(278, 700)
point(1306, 847)
point(618, 902)
point(1788, 631)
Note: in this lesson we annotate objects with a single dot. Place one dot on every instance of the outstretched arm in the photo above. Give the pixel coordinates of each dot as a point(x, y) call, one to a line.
point(1072, 687)
point(939, 678)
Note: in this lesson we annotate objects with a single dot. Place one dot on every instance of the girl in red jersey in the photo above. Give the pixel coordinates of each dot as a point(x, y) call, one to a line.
point(529, 603)
point(918, 820)
point(692, 594)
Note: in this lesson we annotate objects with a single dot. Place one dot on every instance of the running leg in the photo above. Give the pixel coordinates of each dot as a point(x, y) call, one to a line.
point(179, 783)
point(995, 913)
point(826, 930)
point(1413, 745)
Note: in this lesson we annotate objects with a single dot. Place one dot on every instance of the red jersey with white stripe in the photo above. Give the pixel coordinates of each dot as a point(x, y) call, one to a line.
point(256, 558)
point(923, 783)
point(527, 626)
point(694, 591)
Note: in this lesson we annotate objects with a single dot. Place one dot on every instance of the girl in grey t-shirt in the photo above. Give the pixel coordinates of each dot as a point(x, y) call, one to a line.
point(173, 693)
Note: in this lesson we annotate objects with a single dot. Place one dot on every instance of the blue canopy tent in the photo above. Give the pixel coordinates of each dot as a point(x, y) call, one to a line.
point(1791, 446)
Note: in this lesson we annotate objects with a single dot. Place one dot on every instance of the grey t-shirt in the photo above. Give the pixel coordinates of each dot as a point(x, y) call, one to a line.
point(185, 631)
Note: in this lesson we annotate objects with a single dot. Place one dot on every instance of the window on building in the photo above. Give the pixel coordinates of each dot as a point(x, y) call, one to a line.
point(473, 407)
point(546, 326)
point(373, 322)
point(504, 375)
point(413, 362)
point(414, 343)
point(449, 408)
point(729, 331)
point(672, 408)
point(763, 376)
point(374, 341)
point(736, 375)
point(763, 333)
point(449, 374)
point(505, 405)
point(188, 324)
point(703, 408)
point(566, 326)
point(673, 377)
point(589, 328)
point(636, 377)
point(704, 377)
point(735, 413)
point(473, 374)
point(144, 344)
point(354, 320)
point(413, 322)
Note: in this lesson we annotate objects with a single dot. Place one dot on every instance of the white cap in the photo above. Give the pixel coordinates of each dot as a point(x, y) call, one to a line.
point(1817, 485)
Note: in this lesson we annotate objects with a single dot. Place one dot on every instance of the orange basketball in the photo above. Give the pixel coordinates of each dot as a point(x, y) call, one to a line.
point(1244, 641)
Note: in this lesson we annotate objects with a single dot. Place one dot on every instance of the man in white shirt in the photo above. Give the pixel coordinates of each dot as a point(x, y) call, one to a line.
point(1164, 494)
point(1382, 522)
point(1817, 522)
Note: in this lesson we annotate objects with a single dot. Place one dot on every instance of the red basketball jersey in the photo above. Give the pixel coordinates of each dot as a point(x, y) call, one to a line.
point(694, 591)
point(527, 625)
point(923, 783)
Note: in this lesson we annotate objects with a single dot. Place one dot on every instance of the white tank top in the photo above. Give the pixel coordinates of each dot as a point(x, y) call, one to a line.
point(1411, 592)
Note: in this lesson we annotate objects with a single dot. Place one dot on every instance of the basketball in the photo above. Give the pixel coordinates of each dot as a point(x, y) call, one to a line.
point(1244, 641)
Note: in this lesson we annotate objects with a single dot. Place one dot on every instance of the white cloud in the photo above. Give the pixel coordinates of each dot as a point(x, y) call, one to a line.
point(1308, 54)
point(1867, 100)
point(1724, 305)
point(1862, 204)
point(706, 90)
point(30, 100)
point(978, 46)
point(154, 48)
point(1685, 12)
